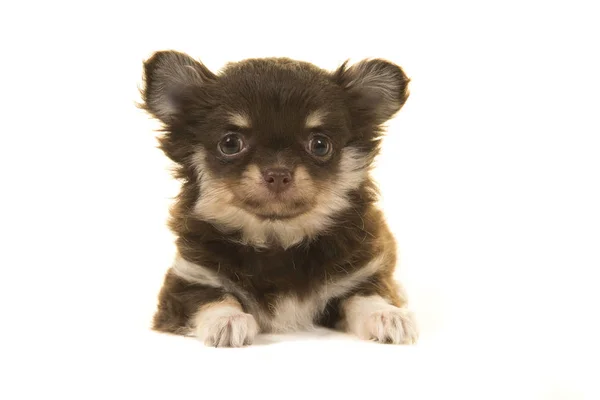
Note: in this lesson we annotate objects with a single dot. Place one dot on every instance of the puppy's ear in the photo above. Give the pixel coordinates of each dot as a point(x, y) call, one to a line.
point(377, 89)
point(168, 75)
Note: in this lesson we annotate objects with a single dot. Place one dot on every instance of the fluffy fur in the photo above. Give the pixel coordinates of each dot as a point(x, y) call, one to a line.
point(254, 256)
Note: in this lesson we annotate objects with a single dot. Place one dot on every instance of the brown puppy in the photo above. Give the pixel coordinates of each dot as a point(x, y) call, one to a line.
point(276, 223)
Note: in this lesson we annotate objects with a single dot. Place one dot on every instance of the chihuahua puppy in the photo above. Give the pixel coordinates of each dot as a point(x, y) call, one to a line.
point(276, 224)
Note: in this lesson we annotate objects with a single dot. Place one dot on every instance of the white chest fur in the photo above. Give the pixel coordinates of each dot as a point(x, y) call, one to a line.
point(290, 314)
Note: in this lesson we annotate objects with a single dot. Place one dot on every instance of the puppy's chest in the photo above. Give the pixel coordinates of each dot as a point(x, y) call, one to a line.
point(268, 273)
point(293, 294)
point(286, 312)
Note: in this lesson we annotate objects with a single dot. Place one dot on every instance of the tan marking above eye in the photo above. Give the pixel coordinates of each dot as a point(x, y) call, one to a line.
point(315, 119)
point(240, 120)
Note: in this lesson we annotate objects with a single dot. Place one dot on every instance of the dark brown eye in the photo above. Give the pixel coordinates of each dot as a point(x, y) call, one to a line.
point(319, 146)
point(231, 144)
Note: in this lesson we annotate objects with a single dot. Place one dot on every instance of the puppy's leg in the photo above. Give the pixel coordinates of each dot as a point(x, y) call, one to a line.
point(377, 312)
point(203, 310)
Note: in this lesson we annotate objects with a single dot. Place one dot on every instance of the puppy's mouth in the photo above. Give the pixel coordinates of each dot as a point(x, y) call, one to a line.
point(276, 208)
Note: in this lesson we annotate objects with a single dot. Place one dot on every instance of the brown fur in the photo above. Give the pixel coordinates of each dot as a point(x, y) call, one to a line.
point(277, 95)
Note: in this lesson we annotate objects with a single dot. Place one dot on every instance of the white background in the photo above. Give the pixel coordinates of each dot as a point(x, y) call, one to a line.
point(490, 179)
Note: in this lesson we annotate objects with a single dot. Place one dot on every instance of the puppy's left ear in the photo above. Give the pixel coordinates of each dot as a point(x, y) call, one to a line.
point(377, 89)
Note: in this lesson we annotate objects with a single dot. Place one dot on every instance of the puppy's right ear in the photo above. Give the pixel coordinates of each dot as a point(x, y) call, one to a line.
point(168, 75)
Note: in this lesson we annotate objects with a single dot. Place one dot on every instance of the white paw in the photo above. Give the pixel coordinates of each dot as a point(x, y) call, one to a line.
point(391, 325)
point(226, 328)
point(373, 318)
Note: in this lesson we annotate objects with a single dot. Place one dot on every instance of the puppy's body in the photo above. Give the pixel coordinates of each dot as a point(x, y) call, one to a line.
point(276, 223)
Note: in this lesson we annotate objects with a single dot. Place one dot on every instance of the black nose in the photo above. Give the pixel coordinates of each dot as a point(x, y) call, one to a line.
point(277, 179)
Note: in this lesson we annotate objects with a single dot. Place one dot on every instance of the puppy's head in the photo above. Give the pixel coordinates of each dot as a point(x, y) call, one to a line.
point(272, 141)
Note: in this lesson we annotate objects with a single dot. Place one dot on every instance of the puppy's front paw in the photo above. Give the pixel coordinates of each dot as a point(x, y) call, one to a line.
point(373, 318)
point(235, 329)
point(225, 324)
point(393, 325)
